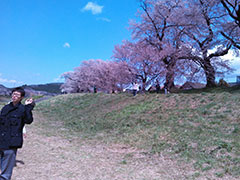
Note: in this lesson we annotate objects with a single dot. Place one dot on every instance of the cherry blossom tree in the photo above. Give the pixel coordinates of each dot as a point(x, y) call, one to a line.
point(94, 75)
point(159, 28)
point(71, 83)
point(187, 30)
point(203, 35)
point(231, 27)
point(141, 61)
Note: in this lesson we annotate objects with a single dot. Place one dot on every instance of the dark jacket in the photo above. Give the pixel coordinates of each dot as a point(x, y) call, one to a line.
point(12, 121)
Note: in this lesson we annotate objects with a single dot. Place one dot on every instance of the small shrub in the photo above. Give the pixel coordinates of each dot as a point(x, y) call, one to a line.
point(223, 83)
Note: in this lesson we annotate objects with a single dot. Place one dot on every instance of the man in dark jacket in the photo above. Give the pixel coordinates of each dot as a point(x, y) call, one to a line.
point(12, 120)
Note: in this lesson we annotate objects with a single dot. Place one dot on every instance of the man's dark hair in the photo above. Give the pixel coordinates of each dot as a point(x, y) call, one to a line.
point(19, 89)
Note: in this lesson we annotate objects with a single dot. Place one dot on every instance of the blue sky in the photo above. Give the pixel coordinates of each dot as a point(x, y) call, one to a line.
point(41, 39)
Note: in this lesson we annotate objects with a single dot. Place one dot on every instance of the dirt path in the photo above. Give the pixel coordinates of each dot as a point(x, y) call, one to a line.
point(46, 157)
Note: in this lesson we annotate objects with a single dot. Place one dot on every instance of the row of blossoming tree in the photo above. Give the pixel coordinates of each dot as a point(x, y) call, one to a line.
point(172, 40)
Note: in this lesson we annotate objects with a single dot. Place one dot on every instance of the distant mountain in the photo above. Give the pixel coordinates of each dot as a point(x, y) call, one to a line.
point(4, 91)
point(49, 89)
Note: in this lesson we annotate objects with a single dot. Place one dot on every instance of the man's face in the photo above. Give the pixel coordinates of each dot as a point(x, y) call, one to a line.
point(16, 97)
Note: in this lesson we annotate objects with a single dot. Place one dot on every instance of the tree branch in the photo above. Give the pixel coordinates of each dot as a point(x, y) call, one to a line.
point(231, 40)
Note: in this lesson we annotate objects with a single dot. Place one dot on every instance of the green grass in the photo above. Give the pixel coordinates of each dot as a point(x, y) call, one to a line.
point(200, 127)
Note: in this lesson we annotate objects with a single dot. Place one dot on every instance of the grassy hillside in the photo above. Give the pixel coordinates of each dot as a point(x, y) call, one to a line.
point(199, 127)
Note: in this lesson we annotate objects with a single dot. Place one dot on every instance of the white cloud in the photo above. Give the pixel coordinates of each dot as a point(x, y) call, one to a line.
point(231, 55)
point(66, 45)
point(3, 80)
point(103, 19)
point(93, 7)
point(234, 60)
point(58, 79)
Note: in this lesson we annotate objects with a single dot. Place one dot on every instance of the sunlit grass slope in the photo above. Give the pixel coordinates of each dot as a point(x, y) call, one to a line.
point(200, 127)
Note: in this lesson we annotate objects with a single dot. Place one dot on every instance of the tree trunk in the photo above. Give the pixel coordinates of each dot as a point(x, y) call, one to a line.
point(169, 80)
point(143, 87)
point(169, 84)
point(210, 74)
